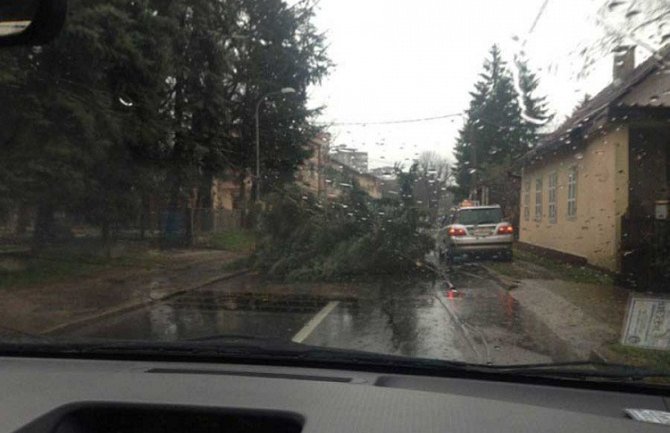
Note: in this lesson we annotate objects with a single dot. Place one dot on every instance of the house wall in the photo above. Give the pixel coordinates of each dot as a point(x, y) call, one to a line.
point(225, 194)
point(336, 173)
point(222, 194)
point(602, 197)
point(370, 184)
point(310, 174)
point(356, 160)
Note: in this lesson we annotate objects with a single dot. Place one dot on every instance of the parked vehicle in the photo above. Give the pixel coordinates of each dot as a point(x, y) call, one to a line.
point(473, 230)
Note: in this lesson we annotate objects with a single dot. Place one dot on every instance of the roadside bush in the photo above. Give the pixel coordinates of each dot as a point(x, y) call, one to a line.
point(301, 239)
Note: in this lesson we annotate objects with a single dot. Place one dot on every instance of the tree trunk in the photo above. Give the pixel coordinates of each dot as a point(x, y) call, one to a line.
point(44, 226)
point(190, 235)
point(106, 244)
point(22, 219)
point(143, 217)
point(170, 228)
point(242, 201)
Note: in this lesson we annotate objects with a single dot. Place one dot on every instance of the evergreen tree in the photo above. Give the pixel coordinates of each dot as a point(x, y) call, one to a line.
point(534, 111)
point(582, 103)
point(141, 98)
point(496, 131)
point(490, 134)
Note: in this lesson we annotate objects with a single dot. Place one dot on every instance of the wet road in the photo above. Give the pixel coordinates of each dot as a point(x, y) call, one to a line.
point(478, 322)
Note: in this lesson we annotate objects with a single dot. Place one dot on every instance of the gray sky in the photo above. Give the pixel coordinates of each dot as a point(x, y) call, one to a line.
point(420, 58)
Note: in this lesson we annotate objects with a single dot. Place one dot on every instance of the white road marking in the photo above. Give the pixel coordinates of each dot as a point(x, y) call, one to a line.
point(314, 322)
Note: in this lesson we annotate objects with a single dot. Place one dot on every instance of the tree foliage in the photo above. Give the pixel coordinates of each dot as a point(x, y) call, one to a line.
point(502, 123)
point(432, 182)
point(140, 98)
point(351, 237)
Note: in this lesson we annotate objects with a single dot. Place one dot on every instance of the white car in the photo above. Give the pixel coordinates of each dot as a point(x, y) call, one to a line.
point(476, 230)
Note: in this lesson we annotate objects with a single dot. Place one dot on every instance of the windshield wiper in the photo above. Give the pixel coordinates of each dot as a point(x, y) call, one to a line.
point(242, 348)
point(584, 370)
point(228, 348)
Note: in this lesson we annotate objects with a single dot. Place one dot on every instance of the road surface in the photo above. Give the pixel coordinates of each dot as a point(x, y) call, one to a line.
point(475, 322)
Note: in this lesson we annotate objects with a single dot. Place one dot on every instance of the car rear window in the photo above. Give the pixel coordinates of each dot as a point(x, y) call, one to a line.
point(478, 216)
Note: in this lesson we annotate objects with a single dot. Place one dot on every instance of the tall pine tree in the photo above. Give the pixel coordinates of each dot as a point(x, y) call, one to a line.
point(140, 98)
point(535, 112)
point(497, 129)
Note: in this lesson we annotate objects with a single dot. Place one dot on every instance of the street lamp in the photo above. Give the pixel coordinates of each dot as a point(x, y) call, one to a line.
point(283, 91)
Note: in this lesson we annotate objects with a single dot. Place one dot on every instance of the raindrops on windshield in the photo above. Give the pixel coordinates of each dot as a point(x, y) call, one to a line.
point(126, 102)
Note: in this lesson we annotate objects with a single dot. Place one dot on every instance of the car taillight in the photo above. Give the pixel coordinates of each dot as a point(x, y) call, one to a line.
point(455, 231)
point(505, 230)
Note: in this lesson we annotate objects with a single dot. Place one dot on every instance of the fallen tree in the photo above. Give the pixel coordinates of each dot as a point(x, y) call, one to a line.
point(354, 236)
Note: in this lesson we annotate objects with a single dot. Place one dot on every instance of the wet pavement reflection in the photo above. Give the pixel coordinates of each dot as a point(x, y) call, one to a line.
point(474, 321)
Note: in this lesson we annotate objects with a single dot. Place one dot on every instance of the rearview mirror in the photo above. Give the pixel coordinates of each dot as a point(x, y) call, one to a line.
point(30, 22)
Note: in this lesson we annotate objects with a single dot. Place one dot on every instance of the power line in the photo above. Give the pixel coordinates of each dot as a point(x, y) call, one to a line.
point(538, 16)
point(394, 122)
point(540, 12)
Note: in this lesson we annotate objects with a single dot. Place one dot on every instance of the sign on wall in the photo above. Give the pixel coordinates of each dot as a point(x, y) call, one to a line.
point(647, 323)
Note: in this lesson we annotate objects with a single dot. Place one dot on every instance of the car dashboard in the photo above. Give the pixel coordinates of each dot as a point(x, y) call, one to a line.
point(81, 396)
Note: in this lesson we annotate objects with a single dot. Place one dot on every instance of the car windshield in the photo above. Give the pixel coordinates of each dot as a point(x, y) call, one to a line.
point(288, 169)
point(478, 216)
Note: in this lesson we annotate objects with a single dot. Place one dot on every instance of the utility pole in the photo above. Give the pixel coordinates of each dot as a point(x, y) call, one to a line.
point(318, 168)
point(474, 169)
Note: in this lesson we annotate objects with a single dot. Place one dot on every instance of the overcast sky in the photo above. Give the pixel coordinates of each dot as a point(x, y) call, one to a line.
point(414, 59)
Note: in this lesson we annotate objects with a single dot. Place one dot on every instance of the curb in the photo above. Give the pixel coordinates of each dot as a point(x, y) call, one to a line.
point(597, 356)
point(130, 306)
point(460, 324)
point(506, 283)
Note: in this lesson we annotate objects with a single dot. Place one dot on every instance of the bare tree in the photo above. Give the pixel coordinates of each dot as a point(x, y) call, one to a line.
point(434, 177)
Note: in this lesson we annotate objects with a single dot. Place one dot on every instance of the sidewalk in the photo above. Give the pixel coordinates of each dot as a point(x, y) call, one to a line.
point(587, 317)
point(50, 308)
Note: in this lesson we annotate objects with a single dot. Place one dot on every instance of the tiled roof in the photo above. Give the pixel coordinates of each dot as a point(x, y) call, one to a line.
point(599, 103)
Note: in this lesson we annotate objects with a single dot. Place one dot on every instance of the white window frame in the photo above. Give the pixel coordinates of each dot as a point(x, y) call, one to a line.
point(572, 192)
point(538, 198)
point(526, 200)
point(552, 184)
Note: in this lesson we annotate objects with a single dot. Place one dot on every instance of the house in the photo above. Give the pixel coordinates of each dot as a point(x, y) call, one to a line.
point(311, 175)
point(341, 176)
point(352, 158)
point(590, 189)
point(230, 196)
point(227, 194)
point(326, 174)
point(385, 172)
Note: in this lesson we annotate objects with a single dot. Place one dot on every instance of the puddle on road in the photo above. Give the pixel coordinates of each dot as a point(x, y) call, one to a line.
point(215, 300)
point(407, 322)
point(205, 313)
point(396, 317)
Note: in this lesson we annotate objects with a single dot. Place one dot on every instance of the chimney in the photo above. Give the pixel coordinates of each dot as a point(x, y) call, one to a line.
point(624, 62)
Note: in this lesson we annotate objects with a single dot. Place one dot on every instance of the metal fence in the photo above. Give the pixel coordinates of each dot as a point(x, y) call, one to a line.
point(144, 226)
